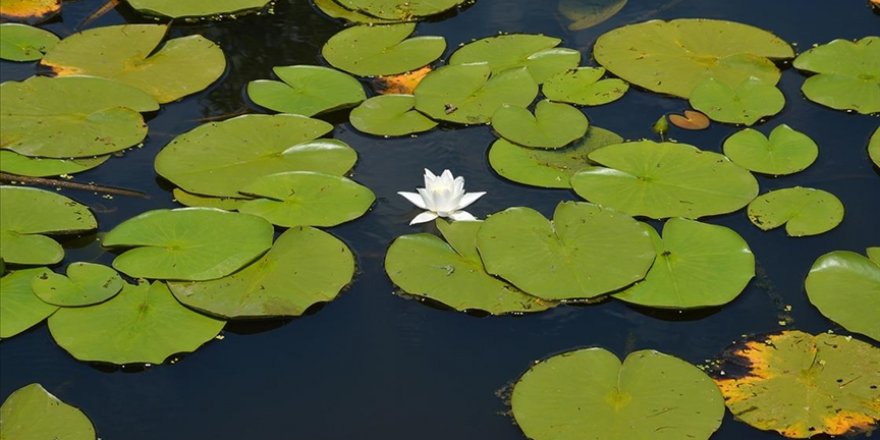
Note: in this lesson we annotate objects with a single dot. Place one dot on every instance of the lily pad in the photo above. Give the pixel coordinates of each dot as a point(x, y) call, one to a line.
point(845, 287)
point(26, 213)
point(306, 198)
point(128, 54)
point(84, 285)
point(745, 103)
point(32, 413)
point(199, 201)
point(188, 243)
point(12, 162)
point(142, 324)
point(390, 115)
point(537, 53)
point(20, 42)
point(305, 266)
point(690, 120)
point(697, 265)
point(552, 126)
point(466, 94)
point(847, 74)
point(874, 147)
point(584, 14)
point(307, 90)
point(195, 8)
point(584, 86)
point(650, 395)
point(400, 9)
point(20, 308)
point(803, 211)
point(381, 49)
point(660, 180)
point(585, 252)
point(71, 117)
point(335, 10)
point(29, 11)
point(787, 151)
point(673, 57)
point(802, 385)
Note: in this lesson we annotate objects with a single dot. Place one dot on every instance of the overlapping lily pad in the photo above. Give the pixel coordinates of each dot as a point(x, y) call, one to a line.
point(29, 11)
point(307, 90)
point(20, 42)
point(195, 8)
point(381, 49)
point(537, 53)
point(84, 285)
point(553, 125)
point(803, 211)
point(32, 413)
point(744, 103)
point(874, 147)
point(400, 9)
point(335, 10)
point(786, 151)
point(199, 201)
point(12, 162)
point(584, 86)
point(660, 180)
point(20, 308)
point(847, 74)
point(584, 14)
point(845, 287)
point(390, 115)
point(650, 395)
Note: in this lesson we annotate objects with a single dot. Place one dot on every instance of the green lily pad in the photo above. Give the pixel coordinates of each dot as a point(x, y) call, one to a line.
point(84, 285)
point(381, 49)
point(306, 198)
point(12, 162)
point(71, 117)
point(584, 14)
point(845, 287)
point(26, 213)
point(188, 243)
point(195, 8)
point(553, 125)
point(548, 168)
point(585, 252)
point(307, 90)
point(803, 385)
point(673, 57)
point(20, 308)
point(400, 9)
point(466, 94)
point(219, 158)
point(305, 266)
point(537, 53)
point(335, 10)
point(661, 180)
point(874, 147)
point(584, 86)
point(199, 201)
point(128, 54)
point(697, 265)
point(390, 115)
point(745, 103)
point(142, 324)
point(589, 393)
point(847, 74)
point(803, 211)
point(20, 42)
point(452, 273)
point(787, 151)
point(32, 413)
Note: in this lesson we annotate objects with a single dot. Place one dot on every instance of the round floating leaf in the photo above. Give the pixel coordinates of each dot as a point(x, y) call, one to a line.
point(425, 266)
point(305, 266)
point(307, 90)
point(381, 50)
point(467, 95)
point(84, 285)
point(548, 63)
point(219, 158)
point(390, 115)
point(71, 117)
point(803, 211)
point(29, 11)
point(845, 287)
point(199, 201)
point(874, 147)
point(589, 393)
point(128, 54)
point(675, 56)
point(552, 126)
point(848, 74)
point(400, 9)
point(27, 212)
point(142, 324)
point(335, 10)
point(20, 42)
point(584, 14)
point(11, 162)
point(803, 385)
point(32, 413)
point(584, 86)
point(745, 103)
point(538, 53)
point(189, 243)
point(195, 8)
point(20, 309)
point(585, 252)
point(660, 180)
point(305, 198)
point(787, 151)
point(697, 265)
point(691, 120)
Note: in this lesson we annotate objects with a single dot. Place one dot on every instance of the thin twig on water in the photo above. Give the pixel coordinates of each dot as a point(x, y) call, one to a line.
point(14, 178)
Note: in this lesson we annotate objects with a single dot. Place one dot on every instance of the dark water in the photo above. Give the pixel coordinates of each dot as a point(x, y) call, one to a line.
point(372, 365)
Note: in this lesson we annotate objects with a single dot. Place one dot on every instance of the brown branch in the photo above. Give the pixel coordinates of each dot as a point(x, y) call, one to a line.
point(98, 13)
point(13, 178)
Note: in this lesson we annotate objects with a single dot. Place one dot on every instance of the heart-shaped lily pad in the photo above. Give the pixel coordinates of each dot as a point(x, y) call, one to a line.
point(188, 243)
point(335, 10)
point(847, 74)
point(400, 9)
point(660, 180)
point(585, 252)
point(390, 115)
point(12, 162)
point(195, 8)
point(381, 49)
point(552, 126)
point(199, 201)
point(697, 265)
point(584, 14)
point(20, 308)
point(690, 120)
point(307, 90)
point(650, 395)
point(803, 211)
point(845, 287)
point(744, 103)
point(20, 42)
point(84, 285)
point(29, 11)
point(32, 413)
point(537, 53)
point(787, 151)
point(874, 147)
point(584, 86)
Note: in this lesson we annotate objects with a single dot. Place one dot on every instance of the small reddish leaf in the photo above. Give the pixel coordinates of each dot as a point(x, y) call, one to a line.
point(692, 120)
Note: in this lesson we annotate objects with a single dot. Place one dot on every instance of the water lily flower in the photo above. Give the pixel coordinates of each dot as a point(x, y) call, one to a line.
point(442, 196)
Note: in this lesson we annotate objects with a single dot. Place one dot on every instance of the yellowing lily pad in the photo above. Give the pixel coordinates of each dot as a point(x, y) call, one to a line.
point(690, 120)
point(584, 14)
point(847, 74)
point(32, 413)
point(20, 42)
point(381, 49)
point(744, 103)
point(400, 9)
point(307, 90)
point(845, 287)
point(390, 115)
point(84, 285)
point(12, 162)
point(584, 86)
point(803, 211)
point(20, 308)
point(787, 151)
point(29, 11)
point(552, 126)
point(537, 53)
point(874, 147)
point(195, 8)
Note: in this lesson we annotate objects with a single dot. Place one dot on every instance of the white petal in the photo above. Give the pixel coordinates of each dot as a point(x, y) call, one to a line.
point(428, 197)
point(423, 217)
point(462, 216)
point(470, 198)
point(458, 185)
point(414, 198)
point(447, 176)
